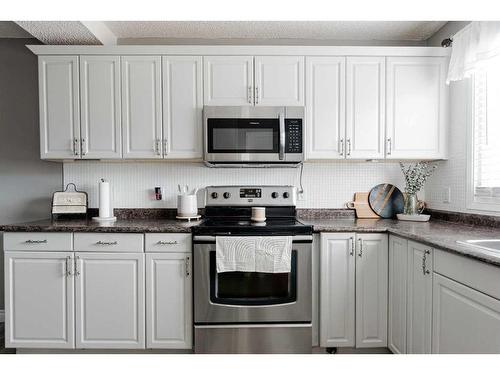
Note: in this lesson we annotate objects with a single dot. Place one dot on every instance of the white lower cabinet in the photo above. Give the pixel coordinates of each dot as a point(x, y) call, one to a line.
point(353, 290)
point(169, 300)
point(39, 300)
point(110, 300)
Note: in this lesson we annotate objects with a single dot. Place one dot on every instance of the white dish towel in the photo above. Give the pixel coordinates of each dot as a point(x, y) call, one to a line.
point(254, 254)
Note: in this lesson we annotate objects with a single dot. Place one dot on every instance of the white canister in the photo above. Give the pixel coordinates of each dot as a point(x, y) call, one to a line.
point(187, 205)
point(258, 214)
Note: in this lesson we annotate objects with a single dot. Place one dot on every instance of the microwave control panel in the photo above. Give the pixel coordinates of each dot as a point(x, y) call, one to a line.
point(293, 130)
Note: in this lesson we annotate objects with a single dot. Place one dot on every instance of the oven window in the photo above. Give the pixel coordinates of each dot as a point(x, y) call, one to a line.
point(253, 288)
point(243, 135)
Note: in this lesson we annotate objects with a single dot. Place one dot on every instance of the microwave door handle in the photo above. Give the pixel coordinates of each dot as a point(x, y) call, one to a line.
point(282, 136)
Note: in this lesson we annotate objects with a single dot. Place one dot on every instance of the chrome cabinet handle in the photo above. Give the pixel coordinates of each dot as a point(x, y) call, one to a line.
point(167, 242)
point(83, 147)
point(157, 147)
point(348, 147)
point(249, 95)
point(425, 271)
point(341, 152)
point(187, 267)
point(282, 136)
point(106, 243)
point(165, 149)
point(360, 254)
point(76, 147)
point(77, 273)
point(389, 146)
point(256, 95)
point(351, 239)
point(35, 241)
point(68, 267)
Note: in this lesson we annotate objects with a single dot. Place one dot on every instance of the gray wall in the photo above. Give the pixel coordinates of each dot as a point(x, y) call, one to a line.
point(446, 31)
point(26, 182)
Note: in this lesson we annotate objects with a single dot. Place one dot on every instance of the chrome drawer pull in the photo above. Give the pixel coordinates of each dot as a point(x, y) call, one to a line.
point(167, 242)
point(35, 241)
point(106, 243)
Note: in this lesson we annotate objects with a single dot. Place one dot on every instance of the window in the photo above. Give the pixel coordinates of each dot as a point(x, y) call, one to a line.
point(484, 174)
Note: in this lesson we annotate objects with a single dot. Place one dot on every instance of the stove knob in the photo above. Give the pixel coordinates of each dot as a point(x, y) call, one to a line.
point(275, 194)
point(214, 195)
point(286, 195)
point(226, 195)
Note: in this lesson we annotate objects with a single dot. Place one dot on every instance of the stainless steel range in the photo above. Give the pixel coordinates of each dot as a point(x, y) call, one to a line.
point(252, 312)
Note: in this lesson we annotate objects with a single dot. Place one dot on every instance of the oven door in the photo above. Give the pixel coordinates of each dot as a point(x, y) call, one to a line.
point(252, 297)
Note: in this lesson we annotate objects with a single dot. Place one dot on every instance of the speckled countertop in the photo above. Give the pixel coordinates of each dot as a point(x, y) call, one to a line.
point(436, 233)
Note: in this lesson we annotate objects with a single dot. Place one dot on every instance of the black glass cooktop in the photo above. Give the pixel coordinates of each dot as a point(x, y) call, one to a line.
point(236, 226)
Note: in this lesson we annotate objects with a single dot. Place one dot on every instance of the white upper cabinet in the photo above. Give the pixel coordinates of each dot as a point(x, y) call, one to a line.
point(59, 107)
point(141, 107)
point(419, 324)
point(398, 276)
point(100, 107)
point(169, 307)
point(365, 103)
point(325, 104)
point(371, 290)
point(182, 107)
point(39, 300)
point(228, 80)
point(417, 108)
point(279, 80)
point(110, 300)
point(337, 293)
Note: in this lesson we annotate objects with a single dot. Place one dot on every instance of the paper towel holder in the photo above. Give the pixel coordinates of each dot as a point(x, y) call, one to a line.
point(104, 188)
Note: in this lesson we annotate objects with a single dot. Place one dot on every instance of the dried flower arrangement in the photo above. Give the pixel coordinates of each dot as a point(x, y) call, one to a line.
point(416, 174)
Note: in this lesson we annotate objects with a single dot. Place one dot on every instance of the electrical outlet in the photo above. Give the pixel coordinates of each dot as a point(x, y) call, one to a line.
point(447, 194)
point(302, 196)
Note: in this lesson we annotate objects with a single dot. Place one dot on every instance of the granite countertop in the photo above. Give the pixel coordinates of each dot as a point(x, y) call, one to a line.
point(436, 233)
point(119, 226)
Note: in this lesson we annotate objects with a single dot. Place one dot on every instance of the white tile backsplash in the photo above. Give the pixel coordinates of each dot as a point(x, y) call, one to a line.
point(326, 184)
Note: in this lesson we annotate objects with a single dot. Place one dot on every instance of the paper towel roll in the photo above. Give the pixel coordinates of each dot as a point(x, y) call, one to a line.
point(104, 199)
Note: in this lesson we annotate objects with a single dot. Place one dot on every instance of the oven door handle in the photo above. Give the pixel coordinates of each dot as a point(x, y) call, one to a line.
point(282, 136)
point(212, 238)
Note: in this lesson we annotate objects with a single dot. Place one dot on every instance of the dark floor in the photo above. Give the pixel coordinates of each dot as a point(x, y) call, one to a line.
point(3, 350)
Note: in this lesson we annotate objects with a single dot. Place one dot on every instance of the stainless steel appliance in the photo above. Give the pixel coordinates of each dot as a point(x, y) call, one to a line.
point(252, 312)
point(253, 136)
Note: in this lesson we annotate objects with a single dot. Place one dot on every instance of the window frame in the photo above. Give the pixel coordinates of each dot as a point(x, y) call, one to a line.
point(473, 202)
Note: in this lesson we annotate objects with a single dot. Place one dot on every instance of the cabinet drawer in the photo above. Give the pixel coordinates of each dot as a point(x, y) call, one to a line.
point(37, 241)
point(109, 242)
point(168, 243)
point(479, 275)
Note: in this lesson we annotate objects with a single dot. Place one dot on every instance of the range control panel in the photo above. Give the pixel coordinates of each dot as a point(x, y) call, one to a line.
point(251, 195)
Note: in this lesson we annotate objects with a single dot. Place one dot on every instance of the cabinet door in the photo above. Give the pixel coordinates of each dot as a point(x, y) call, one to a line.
point(279, 80)
point(59, 107)
point(416, 107)
point(110, 300)
point(39, 300)
point(371, 290)
point(182, 107)
point(169, 301)
point(365, 101)
point(419, 323)
point(141, 107)
point(337, 307)
point(100, 107)
point(325, 107)
point(228, 80)
point(464, 320)
point(398, 275)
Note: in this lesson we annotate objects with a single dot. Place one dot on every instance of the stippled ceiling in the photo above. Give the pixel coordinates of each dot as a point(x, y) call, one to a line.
point(333, 30)
point(75, 32)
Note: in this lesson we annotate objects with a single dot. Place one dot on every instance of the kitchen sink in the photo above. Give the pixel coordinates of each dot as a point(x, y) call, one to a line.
point(492, 245)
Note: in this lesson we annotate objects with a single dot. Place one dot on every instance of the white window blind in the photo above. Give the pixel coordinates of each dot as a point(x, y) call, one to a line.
point(486, 136)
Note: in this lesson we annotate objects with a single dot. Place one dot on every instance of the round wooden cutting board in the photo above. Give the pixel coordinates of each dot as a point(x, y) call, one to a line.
point(386, 200)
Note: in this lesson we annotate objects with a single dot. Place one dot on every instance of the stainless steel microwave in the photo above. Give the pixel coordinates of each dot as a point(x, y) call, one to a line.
point(253, 136)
